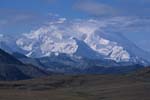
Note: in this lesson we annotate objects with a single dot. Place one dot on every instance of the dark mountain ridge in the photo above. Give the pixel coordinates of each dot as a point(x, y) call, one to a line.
point(13, 69)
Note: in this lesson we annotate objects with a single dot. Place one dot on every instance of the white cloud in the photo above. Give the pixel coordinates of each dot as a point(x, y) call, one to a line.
point(79, 27)
point(96, 9)
point(104, 8)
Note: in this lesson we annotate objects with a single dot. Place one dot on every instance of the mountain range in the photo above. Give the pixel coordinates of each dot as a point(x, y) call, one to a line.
point(79, 48)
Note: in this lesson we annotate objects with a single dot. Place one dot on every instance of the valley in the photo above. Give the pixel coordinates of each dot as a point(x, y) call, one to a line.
point(134, 86)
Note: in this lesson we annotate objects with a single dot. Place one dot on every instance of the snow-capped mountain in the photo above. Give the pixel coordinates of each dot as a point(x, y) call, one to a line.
point(84, 39)
point(62, 38)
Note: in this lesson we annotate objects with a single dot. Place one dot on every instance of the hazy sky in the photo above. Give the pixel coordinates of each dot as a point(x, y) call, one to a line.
point(20, 16)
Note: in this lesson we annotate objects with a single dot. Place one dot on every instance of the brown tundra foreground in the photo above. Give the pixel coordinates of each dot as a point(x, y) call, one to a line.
point(80, 87)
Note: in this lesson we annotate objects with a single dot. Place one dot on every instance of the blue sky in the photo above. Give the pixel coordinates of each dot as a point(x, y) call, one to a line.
point(20, 16)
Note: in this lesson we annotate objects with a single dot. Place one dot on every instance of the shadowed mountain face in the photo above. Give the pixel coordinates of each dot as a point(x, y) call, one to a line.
point(6, 58)
point(74, 65)
point(13, 69)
